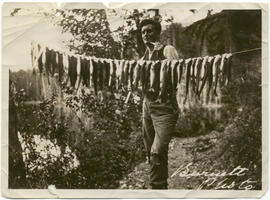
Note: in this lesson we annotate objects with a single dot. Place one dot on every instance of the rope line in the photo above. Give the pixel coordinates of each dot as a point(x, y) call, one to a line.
point(244, 51)
point(71, 53)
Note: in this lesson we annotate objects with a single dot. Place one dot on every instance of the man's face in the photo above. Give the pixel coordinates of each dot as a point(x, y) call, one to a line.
point(149, 33)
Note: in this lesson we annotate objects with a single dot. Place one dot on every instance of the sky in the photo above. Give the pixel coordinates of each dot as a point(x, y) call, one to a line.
point(30, 24)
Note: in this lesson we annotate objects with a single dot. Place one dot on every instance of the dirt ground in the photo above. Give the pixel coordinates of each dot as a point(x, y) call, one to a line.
point(191, 151)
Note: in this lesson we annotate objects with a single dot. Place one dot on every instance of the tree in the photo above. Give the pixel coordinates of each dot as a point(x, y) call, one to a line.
point(92, 35)
point(130, 34)
point(91, 32)
point(173, 35)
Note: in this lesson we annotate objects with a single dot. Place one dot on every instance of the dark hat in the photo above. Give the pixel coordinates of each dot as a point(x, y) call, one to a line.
point(156, 24)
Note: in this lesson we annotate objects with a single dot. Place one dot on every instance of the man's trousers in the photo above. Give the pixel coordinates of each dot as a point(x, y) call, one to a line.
point(159, 120)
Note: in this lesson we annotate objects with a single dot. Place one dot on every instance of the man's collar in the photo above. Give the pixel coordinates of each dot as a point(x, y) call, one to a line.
point(157, 46)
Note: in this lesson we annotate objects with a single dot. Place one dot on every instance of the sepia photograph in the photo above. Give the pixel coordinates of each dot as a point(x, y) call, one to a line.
point(134, 98)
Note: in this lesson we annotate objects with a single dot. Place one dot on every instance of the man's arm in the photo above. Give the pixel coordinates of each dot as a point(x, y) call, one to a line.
point(170, 53)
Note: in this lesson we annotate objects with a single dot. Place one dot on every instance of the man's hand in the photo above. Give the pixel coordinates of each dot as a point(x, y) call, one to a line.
point(170, 53)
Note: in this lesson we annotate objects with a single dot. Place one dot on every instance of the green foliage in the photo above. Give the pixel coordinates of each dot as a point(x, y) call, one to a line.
point(129, 34)
point(90, 31)
point(27, 81)
point(173, 35)
point(114, 145)
point(196, 121)
point(241, 140)
point(55, 154)
point(92, 34)
point(40, 136)
point(247, 148)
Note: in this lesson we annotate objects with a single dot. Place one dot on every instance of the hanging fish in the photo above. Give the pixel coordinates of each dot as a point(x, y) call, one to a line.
point(174, 74)
point(78, 70)
point(137, 76)
point(95, 74)
point(222, 70)
point(180, 70)
point(112, 73)
point(147, 69)
point(54, 65)
point(216, 72)
point(103, 75)
point(114, 79)
point(228, 68)
point(163, 80)
point(117, 73)
point(198, 74)
point(192, 75)
point(44, 58)
point(188, 63)
point(40, 63)
point(91, 72)
point(154, 76)
point(209, 75)
point(101, 70)
point(193, 62)
point(65, 62)
point(82, 70)
point(66, 66)
point(122, 72)
point(143, 75)
point(106, 72)
point(72, 70)
point(126, 71)
point(33, 54)
point(60, 65)
point(48, 61)
point(132, 64)
point(87, 76)
point(203, 75)
point(169, 72)
point(212, 95)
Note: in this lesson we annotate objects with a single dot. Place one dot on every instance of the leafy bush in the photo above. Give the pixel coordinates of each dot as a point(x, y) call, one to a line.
point(240, 142)
point(98, 160)
point(114, 145)
point(195, 121)
point(247, 148)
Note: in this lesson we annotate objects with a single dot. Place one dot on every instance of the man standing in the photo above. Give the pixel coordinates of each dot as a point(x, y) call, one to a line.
point(159, 119)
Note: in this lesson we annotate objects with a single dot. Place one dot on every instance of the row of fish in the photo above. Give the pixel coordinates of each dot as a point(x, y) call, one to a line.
point(193, 76)
point(203, 79)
